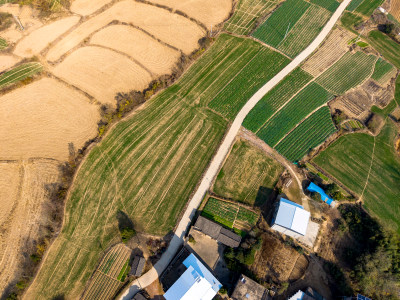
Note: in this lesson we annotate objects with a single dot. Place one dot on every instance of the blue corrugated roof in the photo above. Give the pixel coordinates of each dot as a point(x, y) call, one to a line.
point(315, 188)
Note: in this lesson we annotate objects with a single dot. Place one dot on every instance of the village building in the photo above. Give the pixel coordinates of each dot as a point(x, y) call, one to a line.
point(137, 266)
point(308, 294)
point(247, 288)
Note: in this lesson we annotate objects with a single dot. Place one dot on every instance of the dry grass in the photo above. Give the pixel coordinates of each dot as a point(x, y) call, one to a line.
point(332, 49)
point(7, 61)
point(39, 39)
point(395, 9)
point(23, 192)
point(102, 73)
point(208, 12)
point(40, 119)
point(173, 29)
point(87, 7)
point(156, 57)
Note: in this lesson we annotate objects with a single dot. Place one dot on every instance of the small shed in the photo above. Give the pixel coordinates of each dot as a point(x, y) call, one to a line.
point(137, 266)
point(247, 288)
point(217, 232)
point(139, 296)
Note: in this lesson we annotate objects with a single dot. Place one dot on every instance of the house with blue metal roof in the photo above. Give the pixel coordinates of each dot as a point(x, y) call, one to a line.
point(312, 187)
point(290, 218)
point(196, 283)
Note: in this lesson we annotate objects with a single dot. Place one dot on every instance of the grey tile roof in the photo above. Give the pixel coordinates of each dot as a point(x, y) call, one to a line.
point(137, 266)
point(217, 232)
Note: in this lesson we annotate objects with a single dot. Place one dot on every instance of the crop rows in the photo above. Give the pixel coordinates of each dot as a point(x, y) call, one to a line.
point(220, 211)
point(309, 134)
point(386, 46)
point(348, 72)
point(3, 44)
point(305, 30)
point(246, 13)
point(367, 7)
point(353, 5)
point(274, 29)
point(253, 76)
point(352, 124)
point(247, 216)
point(19, 73)
point(305, 102)
point(102, 287)
point(330, 5)
point(275, 98)
point(382, 71)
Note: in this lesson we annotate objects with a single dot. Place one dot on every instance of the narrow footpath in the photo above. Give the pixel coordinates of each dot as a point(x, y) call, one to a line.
point(219, 158)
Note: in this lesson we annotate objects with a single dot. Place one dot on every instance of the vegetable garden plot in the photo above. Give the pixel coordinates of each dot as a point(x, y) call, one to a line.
point(19, 73)
point(330, 5)
point(383, 71)
point(305, 102)
point(386, 46)
point(307, 135)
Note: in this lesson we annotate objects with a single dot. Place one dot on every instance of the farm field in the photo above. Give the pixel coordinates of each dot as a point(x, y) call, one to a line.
point(395, 9)
point(386, 46)
point(140, 46)
point(368, 166)
point(3, 44)
point(348, 72)
point(330, 5)
point(19, 73)
point(307, 135)
point(87, 7)
point(352, 125)
point(208, 12)
point(23, 195)
point(230, 215)
point(366, 7)
point(383, 71)
point(349, 20)
point(292, 26)
point(248, 175)
point(275, 98)
point(334, 47)
point(246, 15)
point(300, 106)
point(49, 101)
point(109, 275)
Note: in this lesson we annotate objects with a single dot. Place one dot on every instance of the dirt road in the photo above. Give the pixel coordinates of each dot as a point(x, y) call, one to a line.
point(218, 159)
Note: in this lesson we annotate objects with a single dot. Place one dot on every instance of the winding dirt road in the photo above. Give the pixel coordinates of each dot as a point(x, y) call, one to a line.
point(219, 158)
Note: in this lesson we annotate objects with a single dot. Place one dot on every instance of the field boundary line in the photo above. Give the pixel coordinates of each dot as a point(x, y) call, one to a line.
point(370, 168)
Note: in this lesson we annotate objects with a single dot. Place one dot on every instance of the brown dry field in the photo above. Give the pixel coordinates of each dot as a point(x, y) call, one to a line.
point(159, 59)
point(40, 119)
point(395, 9)
point(39, 39)
point(28, 18)
point(23, 192)
point(208, 12)
point(7, 61)
point(173, 29)
point(87, 7)
point(333, 48)
point(102, 73)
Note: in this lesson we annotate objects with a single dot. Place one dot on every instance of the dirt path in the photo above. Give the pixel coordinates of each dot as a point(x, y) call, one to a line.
point(220, 156)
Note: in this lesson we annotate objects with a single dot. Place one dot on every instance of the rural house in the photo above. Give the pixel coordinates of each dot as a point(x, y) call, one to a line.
point(312, 187)
point(309, 294)
point(137, 266)
point(196, 283)
point(217, 232)
point(290, 218)
point(247, 288)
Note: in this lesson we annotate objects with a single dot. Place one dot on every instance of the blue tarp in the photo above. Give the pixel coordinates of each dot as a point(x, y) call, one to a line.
point(315, 188)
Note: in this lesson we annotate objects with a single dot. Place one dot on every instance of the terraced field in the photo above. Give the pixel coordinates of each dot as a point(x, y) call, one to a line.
point(310, 133)
point(147, 166)
point(246, 14)
point(348, 72)
point(109, 275)
point(275, 98)
point(292, 26)
point(303, 104)
point(369, 167)
point(248, 175)
point(383, 71)
point(19, 73)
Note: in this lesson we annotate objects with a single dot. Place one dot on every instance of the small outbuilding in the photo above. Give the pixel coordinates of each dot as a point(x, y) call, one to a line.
point(247, 288)
point(312, 187)
point(290, 218)
point(309, 294)
point(137, 266)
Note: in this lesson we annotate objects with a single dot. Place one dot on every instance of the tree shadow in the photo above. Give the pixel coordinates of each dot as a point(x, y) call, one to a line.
point(124, 221)
point(263, 195)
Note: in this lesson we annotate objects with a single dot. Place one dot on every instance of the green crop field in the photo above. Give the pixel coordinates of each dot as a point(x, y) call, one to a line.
point(349, 20)
point(248, 175)
point(19, 73)
point(348, 72)
point(352, 125)
point(353, 5)
point(330, 5)
point(367, 7)
point(303, 104)
point(309, 134)
point(292, 26)
point(386, 46)
point(246, 14)
point(275, 98)
point(3, 44)
point(147, 166)
point(382, 70)
point(229, 100)
point(352, 157)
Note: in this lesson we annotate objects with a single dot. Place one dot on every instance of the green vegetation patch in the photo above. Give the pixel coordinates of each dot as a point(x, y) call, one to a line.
point(348, 72)
point(275, 98)
point(124, 271)
point(386, 46)
point(246, 15)
point(353, 5)
point(3, 44)
point(372, 174)
point(382, 68)
point(362, 44)
point(350, 20)
point(384, 112)
point(310, 133)
point(352, 125)
point(19, 73)
point(367, 7)
point(330, 5)
point(303, 104)
point(248, 175)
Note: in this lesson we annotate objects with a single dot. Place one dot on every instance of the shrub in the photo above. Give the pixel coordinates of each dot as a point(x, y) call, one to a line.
point(127, 234)
point(223, 291)
point(192, 240)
